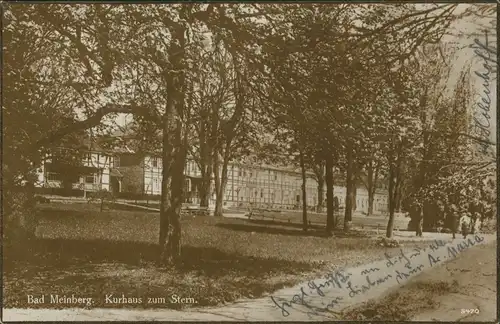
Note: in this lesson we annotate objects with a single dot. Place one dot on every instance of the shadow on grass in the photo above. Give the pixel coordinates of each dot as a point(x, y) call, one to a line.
point(51, 213)
point(211, 262)
point(290, 229)
point(97, 267)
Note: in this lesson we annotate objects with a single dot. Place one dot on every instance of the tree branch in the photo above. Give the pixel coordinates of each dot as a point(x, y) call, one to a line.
point(95, 120)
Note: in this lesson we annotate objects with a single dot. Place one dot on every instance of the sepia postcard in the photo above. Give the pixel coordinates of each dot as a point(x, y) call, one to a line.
point(241, 162)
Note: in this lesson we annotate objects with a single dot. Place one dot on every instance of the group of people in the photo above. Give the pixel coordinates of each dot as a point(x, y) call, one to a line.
point(466, 224)
point(460, 220)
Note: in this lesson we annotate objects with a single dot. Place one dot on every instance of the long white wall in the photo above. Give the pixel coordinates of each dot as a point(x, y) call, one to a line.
point(259, 185)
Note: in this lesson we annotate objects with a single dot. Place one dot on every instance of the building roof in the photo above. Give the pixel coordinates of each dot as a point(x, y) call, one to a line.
point(128, 141)
point(106, 145)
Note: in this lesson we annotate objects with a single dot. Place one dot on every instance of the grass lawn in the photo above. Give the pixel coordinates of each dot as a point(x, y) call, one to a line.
point(80, 250)
point(295, 217)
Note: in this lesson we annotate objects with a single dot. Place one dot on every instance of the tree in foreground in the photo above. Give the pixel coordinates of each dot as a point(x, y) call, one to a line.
point(100, 60)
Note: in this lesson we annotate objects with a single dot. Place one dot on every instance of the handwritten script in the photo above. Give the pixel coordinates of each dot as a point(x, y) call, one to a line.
point(325, 295)
point(488, 54)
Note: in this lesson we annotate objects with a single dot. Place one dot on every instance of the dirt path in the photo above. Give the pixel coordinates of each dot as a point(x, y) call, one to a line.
point(463, 289)
point(329, 297)
point(476, 275)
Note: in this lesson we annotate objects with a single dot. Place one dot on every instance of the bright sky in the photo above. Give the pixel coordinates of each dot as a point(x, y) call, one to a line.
point(472, 29)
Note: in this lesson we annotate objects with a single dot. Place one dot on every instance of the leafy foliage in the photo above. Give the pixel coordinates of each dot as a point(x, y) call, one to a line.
point(355, 83)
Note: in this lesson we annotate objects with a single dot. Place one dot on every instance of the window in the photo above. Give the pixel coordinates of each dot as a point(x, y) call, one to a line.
point(52, 176)
point(250, 174)
point(262, 194)
point(89, 179)
point(275, 176)
point(116, 161)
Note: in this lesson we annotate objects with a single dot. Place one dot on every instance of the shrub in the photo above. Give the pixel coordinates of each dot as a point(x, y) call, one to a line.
point(386, 242)
point(20, 215)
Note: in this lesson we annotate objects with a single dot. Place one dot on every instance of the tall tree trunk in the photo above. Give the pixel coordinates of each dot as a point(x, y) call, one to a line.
point(215, 148)
point(220, 183)
point(371, 200)
point(304, 195)
point(330, 220)
point(219, 203)
point(172, 251)
point(205, 159)
point(354, 195)
point(173, 143)
point(217, 185)
point(427, 215)
point(373, 170)
point(319, 171)
point(350, 184)
point(165, 182)
point(321, 194)
point(391, 189)
point(399, 195)
point(418, 224)
point(206, 175)
point(394, 184)
point(369, 185)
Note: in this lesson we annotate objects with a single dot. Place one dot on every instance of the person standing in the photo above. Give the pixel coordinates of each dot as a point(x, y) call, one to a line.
point(453, 219)
point(416, 218)
point(465, 224)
